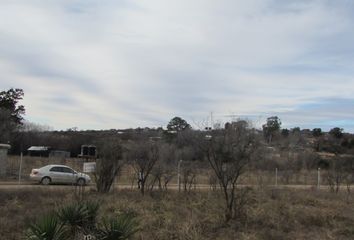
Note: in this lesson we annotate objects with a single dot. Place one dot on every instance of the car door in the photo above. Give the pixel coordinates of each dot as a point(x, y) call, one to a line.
point(69, 175)
point(55, 173)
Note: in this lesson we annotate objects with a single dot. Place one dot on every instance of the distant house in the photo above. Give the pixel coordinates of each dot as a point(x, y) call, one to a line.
point(38, 151)
point(59, 154)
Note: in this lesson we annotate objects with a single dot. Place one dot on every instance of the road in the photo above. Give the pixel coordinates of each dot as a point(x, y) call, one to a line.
point(29, 185)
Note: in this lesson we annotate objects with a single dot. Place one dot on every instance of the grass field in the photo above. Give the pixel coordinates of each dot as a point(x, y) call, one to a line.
point(269, 214)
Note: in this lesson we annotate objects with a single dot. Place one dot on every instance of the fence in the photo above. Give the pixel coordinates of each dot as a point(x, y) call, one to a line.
point(203, 176)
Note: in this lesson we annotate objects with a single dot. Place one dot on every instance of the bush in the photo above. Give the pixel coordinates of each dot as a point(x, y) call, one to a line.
point(79, 218)
point(47, 228)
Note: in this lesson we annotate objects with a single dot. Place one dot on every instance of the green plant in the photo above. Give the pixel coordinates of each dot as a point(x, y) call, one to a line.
point(119, 228)
point(92, 208)
point(47, 228)
point(74, 215)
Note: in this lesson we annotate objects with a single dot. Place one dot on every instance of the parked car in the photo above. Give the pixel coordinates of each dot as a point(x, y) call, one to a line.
point(59, 174)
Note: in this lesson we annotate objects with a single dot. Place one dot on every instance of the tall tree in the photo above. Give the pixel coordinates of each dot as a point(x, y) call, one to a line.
point(271, 127)
point(178, 124)
point(11, 114)
point(9, 101)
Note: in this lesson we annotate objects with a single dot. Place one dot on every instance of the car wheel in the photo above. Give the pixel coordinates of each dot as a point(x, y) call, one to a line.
point(81, 182)
point(46, 181)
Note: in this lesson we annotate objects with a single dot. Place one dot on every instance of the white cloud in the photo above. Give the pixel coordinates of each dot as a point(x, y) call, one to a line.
point(116, 64)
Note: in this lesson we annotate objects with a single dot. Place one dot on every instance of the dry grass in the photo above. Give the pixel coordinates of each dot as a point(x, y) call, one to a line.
point(272, 214)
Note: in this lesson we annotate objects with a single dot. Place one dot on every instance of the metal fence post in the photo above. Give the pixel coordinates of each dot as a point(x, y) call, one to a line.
point(318, 178)
point(20, 170)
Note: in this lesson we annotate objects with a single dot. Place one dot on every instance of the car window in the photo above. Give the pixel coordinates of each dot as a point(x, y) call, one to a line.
point(67, 170)
point(56, 169)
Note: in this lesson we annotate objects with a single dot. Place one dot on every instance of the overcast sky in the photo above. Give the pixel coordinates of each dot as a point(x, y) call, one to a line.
point(119, 64)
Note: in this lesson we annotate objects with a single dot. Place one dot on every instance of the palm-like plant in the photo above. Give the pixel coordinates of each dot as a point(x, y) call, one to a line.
point(47, 228)
point(119, 228)
point(91, 211)
point(74, 216)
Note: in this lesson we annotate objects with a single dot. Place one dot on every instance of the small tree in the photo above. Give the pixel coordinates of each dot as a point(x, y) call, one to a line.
point(340, 168)
point(143, 155)
point(109, 164)
point(228, 152)
point(164, 170)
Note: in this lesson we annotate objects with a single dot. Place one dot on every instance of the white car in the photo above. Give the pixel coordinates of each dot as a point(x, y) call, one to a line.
point(59, 174)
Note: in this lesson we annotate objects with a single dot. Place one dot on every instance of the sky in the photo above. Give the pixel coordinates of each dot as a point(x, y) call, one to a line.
point(96, 64)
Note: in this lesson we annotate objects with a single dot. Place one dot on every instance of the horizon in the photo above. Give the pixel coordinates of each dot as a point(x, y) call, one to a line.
point(125, 64)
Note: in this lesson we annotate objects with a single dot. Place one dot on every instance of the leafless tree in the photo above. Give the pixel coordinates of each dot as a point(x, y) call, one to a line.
point(109, 164)
point(143, 156)
point(339, 171)
point(229, 151)
point(189, 175)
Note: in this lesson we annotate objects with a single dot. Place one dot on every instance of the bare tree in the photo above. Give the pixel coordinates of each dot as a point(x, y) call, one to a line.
point(339, 171)
point(143, 156)
point(109, 164)
point(229, 151)
point(189, 175)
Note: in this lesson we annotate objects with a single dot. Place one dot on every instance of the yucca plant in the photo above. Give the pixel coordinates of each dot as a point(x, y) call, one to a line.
point(74, 216)
point(92, 208)
point(121, 227)
point(47, 228)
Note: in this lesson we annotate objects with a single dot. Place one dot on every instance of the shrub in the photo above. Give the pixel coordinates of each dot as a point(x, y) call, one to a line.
point(47, 228)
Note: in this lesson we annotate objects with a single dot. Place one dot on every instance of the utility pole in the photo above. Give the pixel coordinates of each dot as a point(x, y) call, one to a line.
point(276, 177)
point(211, 121)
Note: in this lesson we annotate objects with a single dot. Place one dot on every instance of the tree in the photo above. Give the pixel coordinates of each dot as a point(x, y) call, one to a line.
point(317, 132)
point(177, 124)
point(143, 156)
point(164, 169)
point(336, 132)
point(285, 132)
point(9, 101)
point(271, 127)
point(7, 126)
point(228, 152)
point(10, 113)
point(109, 164)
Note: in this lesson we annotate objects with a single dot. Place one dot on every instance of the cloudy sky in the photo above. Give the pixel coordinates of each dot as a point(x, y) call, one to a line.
point(96, 64)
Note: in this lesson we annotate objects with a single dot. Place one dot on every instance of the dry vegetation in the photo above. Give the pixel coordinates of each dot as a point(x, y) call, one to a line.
point(269, 213)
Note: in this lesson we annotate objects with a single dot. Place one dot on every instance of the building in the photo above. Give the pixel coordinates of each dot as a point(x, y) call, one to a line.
point(3, 158)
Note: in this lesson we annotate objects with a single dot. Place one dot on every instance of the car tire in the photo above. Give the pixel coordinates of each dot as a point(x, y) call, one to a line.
point(46, 181)
point(81, 182)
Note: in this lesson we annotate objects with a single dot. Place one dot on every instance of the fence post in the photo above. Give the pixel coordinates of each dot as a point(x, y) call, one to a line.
point(276, 177)
point(20, 170)
point(178, 175)
point(318, 178)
